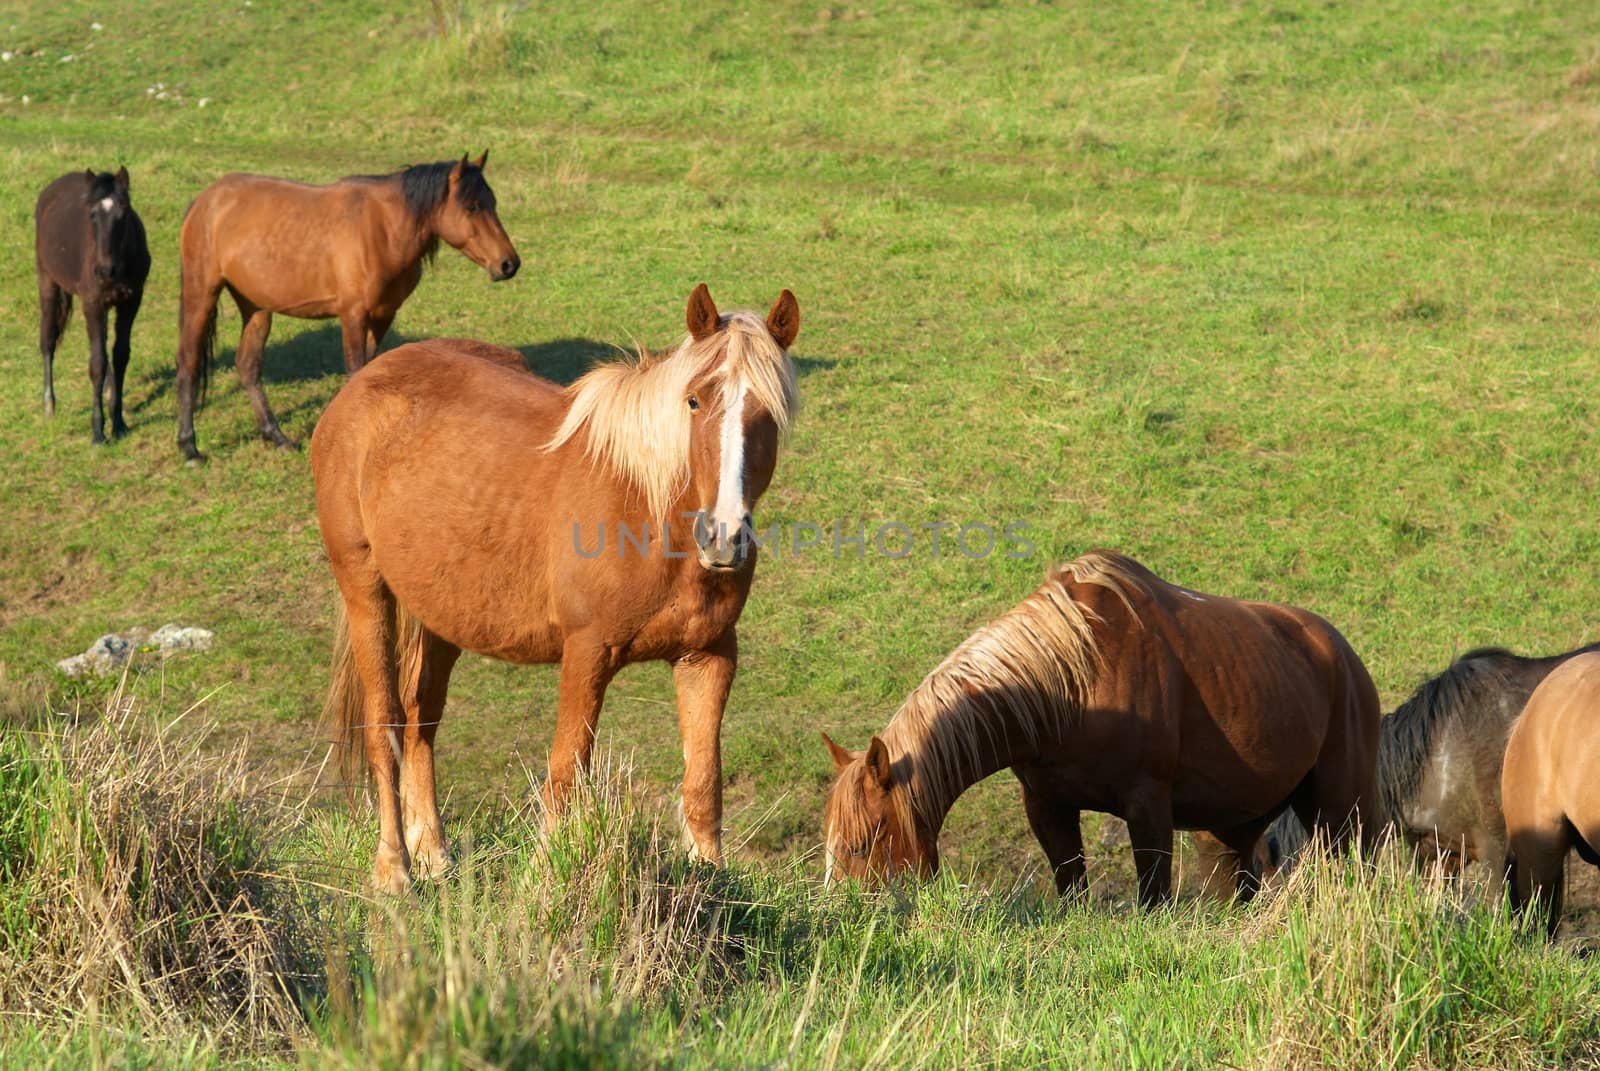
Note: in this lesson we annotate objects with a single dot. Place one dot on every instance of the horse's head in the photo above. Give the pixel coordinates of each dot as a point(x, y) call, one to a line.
point(106, 200)
point(467, 220)
point(869, 828)
point(733, 429)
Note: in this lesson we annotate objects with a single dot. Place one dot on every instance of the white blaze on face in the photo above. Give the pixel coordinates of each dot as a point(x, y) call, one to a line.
point(106, 204)
point(728, 513)
point(827, 858)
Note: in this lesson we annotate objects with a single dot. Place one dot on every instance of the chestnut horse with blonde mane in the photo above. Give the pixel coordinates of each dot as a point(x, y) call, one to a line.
point(352, 250)
point(468, 505)
point(1109, 689)
point(1550, 786)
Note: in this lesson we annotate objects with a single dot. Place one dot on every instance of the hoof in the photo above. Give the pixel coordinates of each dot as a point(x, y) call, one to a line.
point(391, 880)
point(436, 868)
point(277, 438)
point(119, 430)
point(702, 847)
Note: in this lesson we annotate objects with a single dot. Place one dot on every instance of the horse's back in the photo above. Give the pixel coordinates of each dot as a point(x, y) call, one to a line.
point(1255, 693)
point(1552, 758)
point(471, 347)
point(1252, 638)
point(440, 390)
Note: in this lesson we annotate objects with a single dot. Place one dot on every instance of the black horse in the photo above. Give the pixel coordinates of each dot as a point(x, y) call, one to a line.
point(90, 242)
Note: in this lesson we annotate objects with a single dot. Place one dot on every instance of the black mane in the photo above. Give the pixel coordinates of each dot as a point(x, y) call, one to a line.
point(425, 186)
point(1406, 736)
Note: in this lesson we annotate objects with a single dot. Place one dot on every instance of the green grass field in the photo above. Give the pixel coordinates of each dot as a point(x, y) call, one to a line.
point(1291, 301)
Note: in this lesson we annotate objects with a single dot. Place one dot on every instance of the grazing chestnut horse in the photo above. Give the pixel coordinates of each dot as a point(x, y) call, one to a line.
point(469, 505)
point(89, 241)
point(1550, 786)
point(1439, 762)
point(1110, 689)
point(351, 250)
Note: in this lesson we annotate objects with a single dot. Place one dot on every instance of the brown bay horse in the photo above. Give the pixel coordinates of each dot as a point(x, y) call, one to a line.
point(89, 241)
point(467, 504)
point(1112, 690)
point(1439, 760)
point(352, 250)
point(1550, 786)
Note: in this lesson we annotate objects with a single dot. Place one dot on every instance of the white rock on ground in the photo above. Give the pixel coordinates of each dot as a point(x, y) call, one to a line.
point(111, 652)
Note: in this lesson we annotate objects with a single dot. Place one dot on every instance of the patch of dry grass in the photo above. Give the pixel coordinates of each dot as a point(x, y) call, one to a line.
point(134, 881)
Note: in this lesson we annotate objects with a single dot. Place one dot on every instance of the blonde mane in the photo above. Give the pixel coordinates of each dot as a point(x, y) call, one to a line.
point(635, 411)
point(1030, 670)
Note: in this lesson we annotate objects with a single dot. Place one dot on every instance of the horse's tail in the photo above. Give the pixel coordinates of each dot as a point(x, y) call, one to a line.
point(60, 312)
point(345, 711)
point(208, 354)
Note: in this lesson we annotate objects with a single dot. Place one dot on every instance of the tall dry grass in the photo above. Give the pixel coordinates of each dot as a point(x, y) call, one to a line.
point(135, 881)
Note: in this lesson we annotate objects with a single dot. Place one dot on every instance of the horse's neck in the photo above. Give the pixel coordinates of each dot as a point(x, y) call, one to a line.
point(952, 747)
point(414, 244)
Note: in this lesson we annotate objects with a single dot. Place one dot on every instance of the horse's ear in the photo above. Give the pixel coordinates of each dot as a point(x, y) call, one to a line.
point(122, 179)
point(455, 172)
point(480, 161)
point(88, 173)
point(702, 313)
point(842, 756)
point(878, 762)
point(784, 319)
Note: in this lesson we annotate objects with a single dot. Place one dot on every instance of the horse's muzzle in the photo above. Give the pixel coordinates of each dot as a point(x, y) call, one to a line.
point(724, 552)
point(508, 267)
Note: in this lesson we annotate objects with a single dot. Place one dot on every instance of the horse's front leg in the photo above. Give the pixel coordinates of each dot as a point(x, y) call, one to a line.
point(1148, 812)
point(121, 350)
point(587, 667)
point(703, 679)
point(1057, 825)
point(94, 315)
point(353, 329)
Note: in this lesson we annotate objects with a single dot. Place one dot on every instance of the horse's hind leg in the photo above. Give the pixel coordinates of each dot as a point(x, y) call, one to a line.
point(94, 316)
point(424, 704)
point(1227, 857)
point(120, 353)
point(247, 359)
point(54, 303)
point(1541, 856)
point(368, 607)
point(197, 310)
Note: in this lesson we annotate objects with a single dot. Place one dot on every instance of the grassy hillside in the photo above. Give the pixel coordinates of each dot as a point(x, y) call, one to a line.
point(1290, 301)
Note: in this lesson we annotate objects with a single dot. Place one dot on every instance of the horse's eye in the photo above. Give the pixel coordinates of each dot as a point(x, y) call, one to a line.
point(694, 403)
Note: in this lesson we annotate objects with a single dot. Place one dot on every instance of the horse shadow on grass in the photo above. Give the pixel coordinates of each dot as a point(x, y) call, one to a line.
point(564, 360)
point(319, 353)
